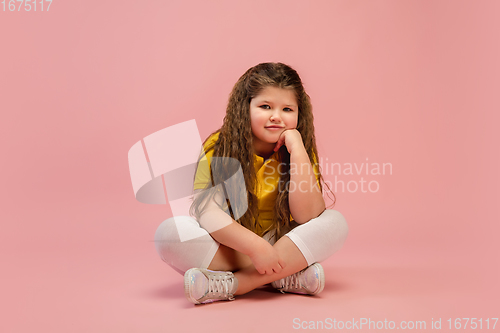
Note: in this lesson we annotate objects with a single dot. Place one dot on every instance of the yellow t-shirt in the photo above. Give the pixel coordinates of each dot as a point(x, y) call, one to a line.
point(267, 180)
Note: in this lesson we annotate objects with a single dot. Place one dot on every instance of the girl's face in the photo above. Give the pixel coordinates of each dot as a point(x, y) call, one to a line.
point(272, 112)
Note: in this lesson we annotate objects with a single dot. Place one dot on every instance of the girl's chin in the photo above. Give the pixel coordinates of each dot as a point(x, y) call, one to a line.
point(270, 140)
point(266, 142)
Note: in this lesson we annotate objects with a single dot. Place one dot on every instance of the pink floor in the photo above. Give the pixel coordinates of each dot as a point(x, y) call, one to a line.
point(121, 285)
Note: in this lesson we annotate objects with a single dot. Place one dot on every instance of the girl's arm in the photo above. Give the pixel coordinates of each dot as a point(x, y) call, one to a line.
point(305, 198)
point(227, 231)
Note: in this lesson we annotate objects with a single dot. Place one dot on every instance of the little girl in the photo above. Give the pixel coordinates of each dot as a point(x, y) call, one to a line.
point(236, 242)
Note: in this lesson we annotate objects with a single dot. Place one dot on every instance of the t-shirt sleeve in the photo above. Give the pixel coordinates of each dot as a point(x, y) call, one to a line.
point(202, 176)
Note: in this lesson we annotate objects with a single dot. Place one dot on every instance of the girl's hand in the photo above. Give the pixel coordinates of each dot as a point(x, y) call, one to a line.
point(266, 259)
point(291, 138)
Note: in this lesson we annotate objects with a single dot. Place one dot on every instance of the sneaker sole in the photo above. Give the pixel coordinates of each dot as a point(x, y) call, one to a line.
point(187, 286)
point(321, 278)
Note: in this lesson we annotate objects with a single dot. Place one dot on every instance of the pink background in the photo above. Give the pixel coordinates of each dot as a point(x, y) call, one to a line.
point(411, 83)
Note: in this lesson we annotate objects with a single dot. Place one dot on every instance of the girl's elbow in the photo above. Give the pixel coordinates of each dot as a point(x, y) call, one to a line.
point(307, 209)
point(309, 214)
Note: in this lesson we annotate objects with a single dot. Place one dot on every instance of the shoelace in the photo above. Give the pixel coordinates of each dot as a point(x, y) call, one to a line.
point(220, 286)
point(290, 282)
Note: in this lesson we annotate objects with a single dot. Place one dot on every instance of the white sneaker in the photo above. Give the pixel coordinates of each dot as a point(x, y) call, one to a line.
point(206, 286)
point(309, 281)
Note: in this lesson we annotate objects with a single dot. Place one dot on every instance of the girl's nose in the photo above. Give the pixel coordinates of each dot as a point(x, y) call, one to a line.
point(275, 116)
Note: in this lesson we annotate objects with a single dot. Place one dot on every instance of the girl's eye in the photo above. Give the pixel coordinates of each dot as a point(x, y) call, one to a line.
point(267, 107)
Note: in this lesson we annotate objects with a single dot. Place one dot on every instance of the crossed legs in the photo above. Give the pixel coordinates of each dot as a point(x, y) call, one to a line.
point(313, 241)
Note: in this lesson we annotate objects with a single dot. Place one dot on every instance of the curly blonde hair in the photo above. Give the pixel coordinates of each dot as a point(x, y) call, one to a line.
point(235, 141)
